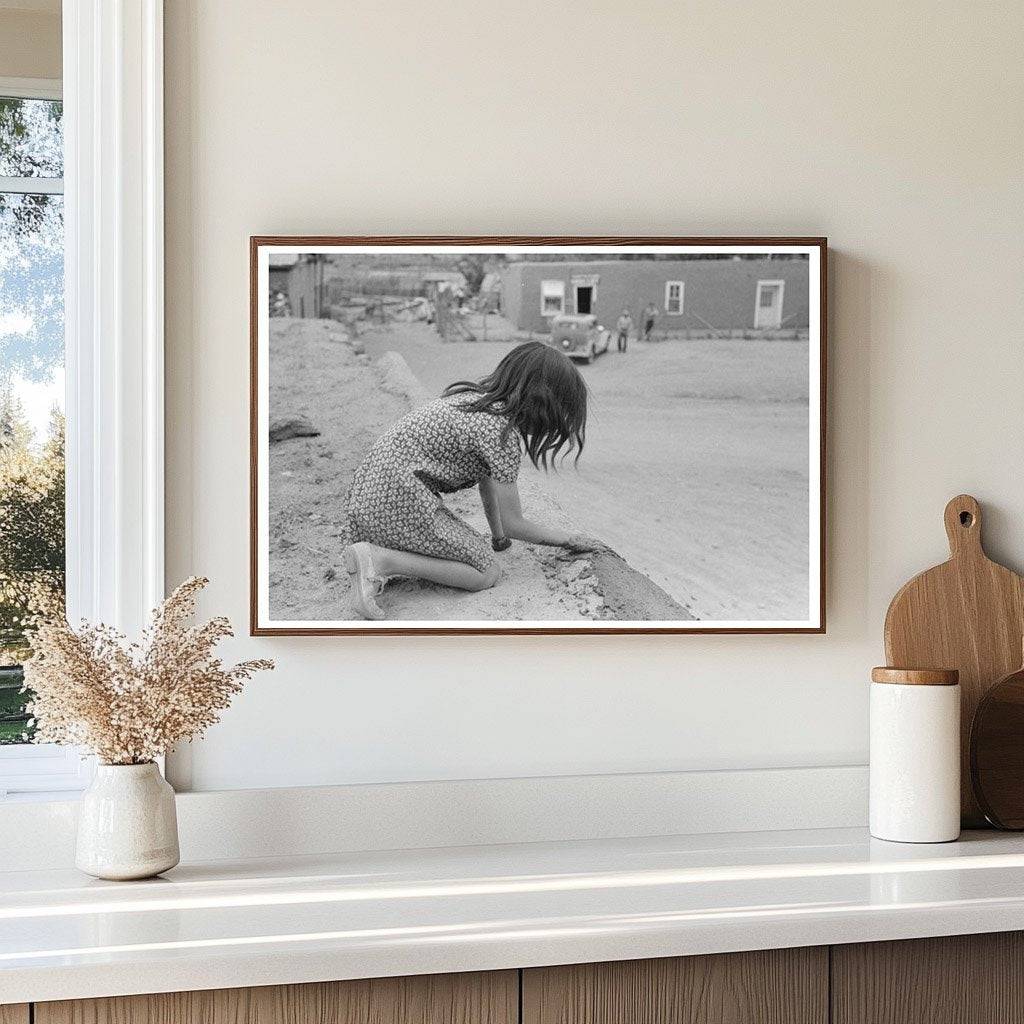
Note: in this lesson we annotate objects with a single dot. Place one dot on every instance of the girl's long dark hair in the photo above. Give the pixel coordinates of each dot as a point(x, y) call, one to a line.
point(542, 395)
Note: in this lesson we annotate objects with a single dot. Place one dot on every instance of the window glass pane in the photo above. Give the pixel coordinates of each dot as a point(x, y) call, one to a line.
point(31, 432)
point(31, 138)
point(552, 296)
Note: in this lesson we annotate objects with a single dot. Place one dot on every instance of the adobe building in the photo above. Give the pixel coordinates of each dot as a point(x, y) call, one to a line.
point(695, 297)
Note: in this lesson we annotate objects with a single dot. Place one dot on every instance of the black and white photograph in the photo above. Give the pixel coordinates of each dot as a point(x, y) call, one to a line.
point(537, 435)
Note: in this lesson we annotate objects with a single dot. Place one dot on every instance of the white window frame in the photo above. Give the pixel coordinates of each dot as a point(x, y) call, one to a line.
point(113, 307)
point(781, 285)
point(682, 297)
point(544, 293)
point(31, 89)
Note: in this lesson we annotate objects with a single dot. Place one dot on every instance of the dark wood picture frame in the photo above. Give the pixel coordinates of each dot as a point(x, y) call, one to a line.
point(571, 627)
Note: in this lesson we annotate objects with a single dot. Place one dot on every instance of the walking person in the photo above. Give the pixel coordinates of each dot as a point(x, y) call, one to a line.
point(650, 315)
point(473, 435)
point(622, 327)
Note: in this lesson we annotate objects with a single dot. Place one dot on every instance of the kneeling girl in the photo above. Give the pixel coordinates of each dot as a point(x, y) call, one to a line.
point(534, 401)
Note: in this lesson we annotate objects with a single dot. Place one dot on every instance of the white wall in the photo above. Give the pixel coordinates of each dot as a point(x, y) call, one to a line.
point(895, 129)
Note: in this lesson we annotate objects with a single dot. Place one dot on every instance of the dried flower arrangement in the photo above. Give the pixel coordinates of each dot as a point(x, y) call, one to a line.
point(129, 703)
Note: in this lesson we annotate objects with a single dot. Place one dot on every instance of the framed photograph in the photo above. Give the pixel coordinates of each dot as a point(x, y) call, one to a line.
point(537, 435)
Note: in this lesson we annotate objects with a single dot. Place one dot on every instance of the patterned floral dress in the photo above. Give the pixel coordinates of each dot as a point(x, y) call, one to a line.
point(437, 449)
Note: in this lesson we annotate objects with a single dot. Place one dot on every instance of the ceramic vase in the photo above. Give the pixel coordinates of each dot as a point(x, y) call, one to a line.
point(127, 825)
point(915, 755)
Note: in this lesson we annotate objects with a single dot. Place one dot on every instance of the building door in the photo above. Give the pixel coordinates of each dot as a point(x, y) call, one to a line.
point(768, 308)
point(584, 290)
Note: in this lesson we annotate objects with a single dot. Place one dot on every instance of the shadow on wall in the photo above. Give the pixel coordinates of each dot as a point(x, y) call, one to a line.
point(853, 287)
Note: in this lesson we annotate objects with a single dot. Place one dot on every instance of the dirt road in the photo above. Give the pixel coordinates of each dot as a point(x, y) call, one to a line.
point(695, 467)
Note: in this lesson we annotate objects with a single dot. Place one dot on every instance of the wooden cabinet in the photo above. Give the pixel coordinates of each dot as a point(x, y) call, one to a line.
point(491, 998)
point(963, 979)
point(970, 979)
point(777, 986)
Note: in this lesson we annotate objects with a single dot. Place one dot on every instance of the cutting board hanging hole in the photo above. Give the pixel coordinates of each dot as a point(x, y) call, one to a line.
point(963, 525)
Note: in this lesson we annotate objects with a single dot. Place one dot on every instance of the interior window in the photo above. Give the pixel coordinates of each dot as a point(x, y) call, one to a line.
point(31, 386)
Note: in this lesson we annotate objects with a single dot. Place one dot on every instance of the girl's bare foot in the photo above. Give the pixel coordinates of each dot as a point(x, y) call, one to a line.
point(366, 584)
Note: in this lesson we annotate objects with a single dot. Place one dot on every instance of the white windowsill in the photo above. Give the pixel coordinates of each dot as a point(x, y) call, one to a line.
point(42, 771)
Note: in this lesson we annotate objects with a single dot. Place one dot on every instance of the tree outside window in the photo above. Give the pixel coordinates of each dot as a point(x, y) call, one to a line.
point(31, 386)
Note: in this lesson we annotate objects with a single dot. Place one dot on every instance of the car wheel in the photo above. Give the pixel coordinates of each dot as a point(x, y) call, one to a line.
point(591, 354)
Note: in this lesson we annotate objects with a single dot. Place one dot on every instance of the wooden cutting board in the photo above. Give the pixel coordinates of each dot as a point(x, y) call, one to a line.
point(967, 614)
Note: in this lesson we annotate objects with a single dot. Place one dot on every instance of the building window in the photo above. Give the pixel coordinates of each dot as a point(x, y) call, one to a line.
point(32, 563)
point(674, 298)
point(552, 297)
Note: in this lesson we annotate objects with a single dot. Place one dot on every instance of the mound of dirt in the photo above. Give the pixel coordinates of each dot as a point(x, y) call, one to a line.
point(631, 596)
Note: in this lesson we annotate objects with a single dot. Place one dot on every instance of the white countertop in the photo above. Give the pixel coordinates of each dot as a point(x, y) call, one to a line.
point(261, 922)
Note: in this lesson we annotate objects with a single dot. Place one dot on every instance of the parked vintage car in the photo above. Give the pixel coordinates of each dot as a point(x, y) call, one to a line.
point(580, 336)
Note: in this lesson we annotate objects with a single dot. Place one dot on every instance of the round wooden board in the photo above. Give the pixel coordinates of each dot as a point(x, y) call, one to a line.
point(997, 752)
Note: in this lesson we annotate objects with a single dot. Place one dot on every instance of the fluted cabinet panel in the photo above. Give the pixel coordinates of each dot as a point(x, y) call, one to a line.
point(777, 986)
point(960, 979)
point(480, 998)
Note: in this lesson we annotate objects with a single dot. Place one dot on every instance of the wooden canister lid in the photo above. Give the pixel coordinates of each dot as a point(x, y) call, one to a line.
point(916, 676)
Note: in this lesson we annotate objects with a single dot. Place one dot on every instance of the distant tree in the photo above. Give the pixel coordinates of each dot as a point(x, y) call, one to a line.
point(31, 146)
point(32, 551)
point(473, 267)
point(31, 241)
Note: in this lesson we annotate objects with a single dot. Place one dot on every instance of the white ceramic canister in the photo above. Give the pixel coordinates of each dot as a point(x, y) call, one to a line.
point(915, 755)
point(127, 825)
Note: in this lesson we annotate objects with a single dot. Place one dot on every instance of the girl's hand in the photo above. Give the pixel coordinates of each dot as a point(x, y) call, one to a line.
point(581, 543)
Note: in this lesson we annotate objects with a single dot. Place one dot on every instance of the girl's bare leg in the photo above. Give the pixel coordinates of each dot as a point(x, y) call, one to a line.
point(388, 562)
point(371, 565)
